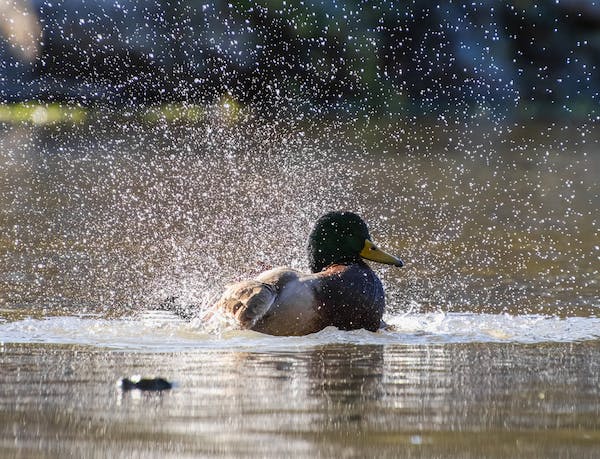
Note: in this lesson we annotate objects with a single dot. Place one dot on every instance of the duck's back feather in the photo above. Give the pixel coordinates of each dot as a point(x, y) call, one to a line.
point(295, 309)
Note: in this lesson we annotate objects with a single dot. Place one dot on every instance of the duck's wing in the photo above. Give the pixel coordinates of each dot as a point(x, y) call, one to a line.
point(247, 301)
point(295, 310)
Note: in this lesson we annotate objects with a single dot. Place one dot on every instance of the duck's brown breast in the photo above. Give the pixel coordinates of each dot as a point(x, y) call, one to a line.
point(351, 297)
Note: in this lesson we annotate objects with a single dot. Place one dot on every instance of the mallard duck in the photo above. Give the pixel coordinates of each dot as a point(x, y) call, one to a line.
point(341, 290)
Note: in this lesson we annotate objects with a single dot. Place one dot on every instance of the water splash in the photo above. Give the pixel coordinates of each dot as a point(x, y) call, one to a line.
point(126, 217)
point(159, 331)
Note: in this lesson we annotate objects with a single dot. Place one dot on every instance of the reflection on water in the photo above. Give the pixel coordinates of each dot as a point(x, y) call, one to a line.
point(468, 400)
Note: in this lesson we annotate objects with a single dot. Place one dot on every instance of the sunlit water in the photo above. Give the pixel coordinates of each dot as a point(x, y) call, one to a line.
point(494, 337)
point(495, 400)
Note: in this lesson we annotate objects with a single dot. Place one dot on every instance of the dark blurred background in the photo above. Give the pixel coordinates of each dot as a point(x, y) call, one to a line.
point(514, 58)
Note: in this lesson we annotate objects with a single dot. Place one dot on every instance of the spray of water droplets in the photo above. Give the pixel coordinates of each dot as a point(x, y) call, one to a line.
point(207, 138)
point(115, 219)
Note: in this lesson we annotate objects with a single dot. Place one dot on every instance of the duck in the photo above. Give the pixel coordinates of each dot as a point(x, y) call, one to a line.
point(340, 291)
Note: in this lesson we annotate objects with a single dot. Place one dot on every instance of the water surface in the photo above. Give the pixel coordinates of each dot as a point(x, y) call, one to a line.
point(336, 400)
point(495, 338)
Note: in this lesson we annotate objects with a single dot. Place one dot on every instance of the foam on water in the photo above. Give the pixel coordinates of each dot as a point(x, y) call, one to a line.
point(164, 332)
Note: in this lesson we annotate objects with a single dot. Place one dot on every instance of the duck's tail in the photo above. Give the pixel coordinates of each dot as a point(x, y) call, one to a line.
point(247, 301)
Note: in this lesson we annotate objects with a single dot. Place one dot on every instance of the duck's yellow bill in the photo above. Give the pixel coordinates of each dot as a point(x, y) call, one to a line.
point(371, 252)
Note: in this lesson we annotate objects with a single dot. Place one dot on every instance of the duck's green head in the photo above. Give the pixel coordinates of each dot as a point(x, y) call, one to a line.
point(343, 237)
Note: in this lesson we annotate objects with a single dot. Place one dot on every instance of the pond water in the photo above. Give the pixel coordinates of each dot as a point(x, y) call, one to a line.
point(495, 338)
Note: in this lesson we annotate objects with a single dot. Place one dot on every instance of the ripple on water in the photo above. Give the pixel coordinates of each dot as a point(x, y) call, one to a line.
point(164, 332)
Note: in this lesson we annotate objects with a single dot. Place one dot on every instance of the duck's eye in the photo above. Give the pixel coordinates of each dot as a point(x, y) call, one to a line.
point(373, 247)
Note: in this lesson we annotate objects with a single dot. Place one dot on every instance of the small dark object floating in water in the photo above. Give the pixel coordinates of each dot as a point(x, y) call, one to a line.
point(147, 384)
